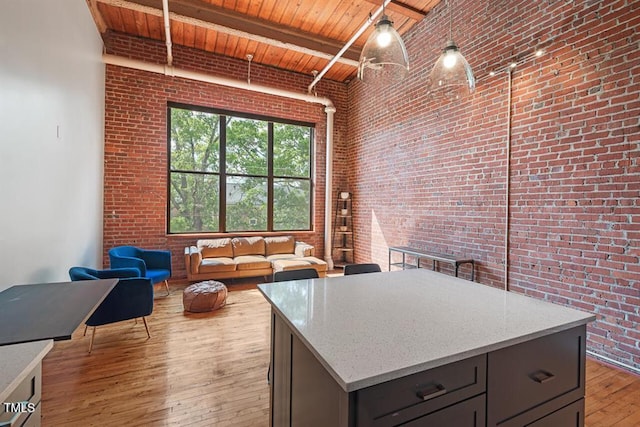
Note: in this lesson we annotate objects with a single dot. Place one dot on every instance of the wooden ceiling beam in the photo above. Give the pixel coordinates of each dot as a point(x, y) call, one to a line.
point(403, 9)
point(225, 21)
point(97, 16)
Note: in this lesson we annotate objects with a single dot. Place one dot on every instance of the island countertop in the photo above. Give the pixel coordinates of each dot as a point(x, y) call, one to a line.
point(17, 361)
point(370, 328)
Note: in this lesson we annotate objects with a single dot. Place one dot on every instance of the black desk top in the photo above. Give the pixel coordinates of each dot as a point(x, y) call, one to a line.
point(49, 310)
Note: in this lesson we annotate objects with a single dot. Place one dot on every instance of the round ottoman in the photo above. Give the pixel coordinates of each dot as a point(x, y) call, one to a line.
point(204, 296)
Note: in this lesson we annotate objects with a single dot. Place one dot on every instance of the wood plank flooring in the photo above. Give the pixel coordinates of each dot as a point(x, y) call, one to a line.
point(205, 369)
point(612, 396)
point(210, 369)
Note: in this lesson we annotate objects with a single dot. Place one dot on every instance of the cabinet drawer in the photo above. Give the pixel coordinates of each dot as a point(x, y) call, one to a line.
point(569, 416)
point(407, 398)
point(34, 419)
point(28, 391)
point(526, 375)
point(470, 413)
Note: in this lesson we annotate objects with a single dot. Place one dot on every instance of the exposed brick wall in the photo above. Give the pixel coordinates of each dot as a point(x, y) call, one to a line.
point(135, 182)
point(433, 175)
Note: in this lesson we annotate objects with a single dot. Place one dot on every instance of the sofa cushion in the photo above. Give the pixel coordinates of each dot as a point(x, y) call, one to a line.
point(316, 263)
point(281, 256)
point(289, 264)
point(296, 263)
point(279, 245)
point(251, 262)
point(303, 249)
point(248, 246)
point(213, 248)
point(215, 265)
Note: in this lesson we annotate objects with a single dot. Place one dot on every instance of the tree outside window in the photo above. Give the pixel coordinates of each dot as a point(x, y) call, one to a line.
point(229, 173)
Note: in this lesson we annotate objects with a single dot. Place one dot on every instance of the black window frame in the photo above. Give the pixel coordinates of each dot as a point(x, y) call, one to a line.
point(223, 175)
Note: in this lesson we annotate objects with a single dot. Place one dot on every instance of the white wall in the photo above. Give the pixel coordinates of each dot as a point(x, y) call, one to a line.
point(51, 140)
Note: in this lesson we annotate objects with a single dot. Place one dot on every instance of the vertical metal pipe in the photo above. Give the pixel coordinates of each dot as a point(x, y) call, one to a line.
point(508, 186)
point(167, 31)
point(328, 192)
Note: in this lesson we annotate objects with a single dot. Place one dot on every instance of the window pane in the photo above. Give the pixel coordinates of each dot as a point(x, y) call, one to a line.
point(264, 162)
point(291, 150)
point(194, 204)
point(195, 141)
point(246, 146)
point(246, 204)
point(291, 204)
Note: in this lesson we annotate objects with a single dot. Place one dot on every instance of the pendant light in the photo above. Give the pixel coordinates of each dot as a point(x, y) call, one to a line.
point(451, 76)
point(384, 54)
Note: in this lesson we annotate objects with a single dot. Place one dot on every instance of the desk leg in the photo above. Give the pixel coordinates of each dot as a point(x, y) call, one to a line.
point(389, 259)
point(457, 269)
point(473, 271)
point(403, 260)
point(434, 265)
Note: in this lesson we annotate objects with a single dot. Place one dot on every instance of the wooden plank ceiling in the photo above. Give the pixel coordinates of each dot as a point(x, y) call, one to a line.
point(296, 35)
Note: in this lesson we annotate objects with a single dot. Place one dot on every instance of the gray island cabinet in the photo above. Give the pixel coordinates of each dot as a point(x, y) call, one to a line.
point(418, 348)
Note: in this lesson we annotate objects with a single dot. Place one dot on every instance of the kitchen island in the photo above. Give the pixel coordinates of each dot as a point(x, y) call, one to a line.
point(419, 348)
point(21, 382)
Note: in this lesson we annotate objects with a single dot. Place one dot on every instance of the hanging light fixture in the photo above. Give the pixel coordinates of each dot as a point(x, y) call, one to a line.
point(384, 54)
point(451, 76)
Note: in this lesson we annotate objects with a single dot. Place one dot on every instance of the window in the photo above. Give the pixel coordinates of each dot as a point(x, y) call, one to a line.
point(233, 173)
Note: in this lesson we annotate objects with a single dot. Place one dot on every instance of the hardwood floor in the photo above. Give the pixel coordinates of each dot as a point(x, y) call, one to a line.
point(612, 396)
point(210, 369)
point(205, 369)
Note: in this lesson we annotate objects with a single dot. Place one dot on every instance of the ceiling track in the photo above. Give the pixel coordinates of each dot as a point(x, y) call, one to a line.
point(353, 38)
point(403, 9)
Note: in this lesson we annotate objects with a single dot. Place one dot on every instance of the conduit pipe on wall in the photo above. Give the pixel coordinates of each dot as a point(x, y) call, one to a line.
point(330, 109)
point(209, 78)
point(328, 192)
point(167, 31)
point(508, 184)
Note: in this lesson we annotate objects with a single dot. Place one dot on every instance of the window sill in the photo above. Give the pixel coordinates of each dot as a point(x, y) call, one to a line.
point(240, 234)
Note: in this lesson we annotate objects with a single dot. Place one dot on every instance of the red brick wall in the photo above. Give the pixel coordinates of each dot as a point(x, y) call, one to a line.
point(433, 175)
point(135, 182)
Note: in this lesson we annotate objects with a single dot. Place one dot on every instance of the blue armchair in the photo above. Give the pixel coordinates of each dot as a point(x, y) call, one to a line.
point(132, 297)
point(152, 264)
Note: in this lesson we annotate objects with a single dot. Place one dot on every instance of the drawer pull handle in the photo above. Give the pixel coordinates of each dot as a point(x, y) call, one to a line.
point(542, 377)
point(433, 390)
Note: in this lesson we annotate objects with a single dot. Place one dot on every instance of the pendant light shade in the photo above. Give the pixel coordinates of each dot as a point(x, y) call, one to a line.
point(384, 54)
point(451, 76)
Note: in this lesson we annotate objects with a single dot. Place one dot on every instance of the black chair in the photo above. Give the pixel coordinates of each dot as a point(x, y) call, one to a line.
point(302, 273)
point(350, 269)
point(284, 276)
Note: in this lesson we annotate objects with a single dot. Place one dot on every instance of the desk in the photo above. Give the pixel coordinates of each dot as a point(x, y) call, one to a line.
point(49, 310)
point(418, 254)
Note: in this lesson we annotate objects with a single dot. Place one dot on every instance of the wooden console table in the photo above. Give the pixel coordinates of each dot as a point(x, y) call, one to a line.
point(419, 254)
